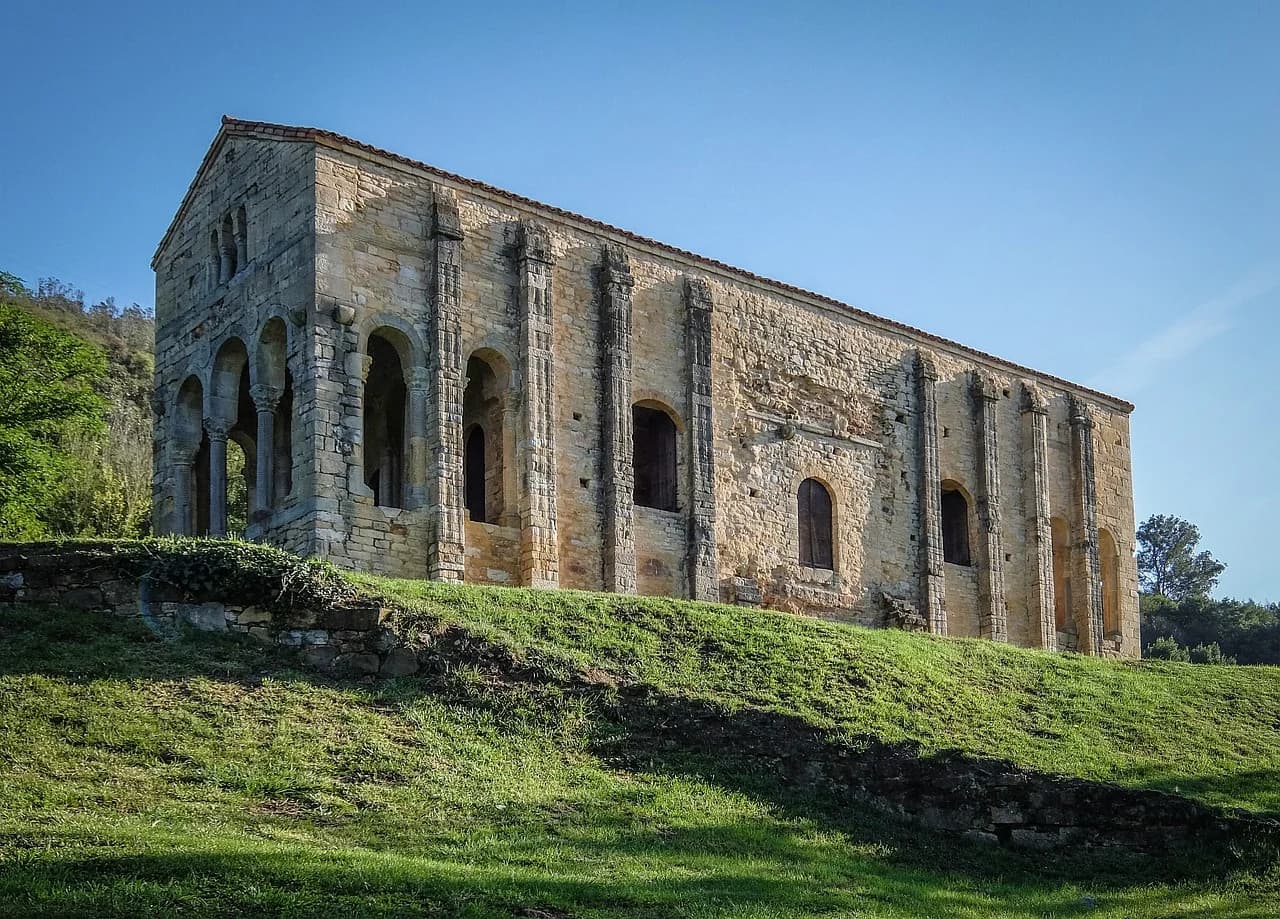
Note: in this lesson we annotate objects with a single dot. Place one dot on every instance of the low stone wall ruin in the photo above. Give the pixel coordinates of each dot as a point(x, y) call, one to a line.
point(985, 800)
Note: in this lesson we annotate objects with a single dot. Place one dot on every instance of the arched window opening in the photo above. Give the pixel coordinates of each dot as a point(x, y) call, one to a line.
point(242, 237)
point(1061, 572)
point(654, 457)
point(955, 528)
point(188, 437)
point(215, 259)
point(473, 475)
point(817, 548)
point(1109, 560)
point(384, 423)
point(240, 482)
point(282, 446)
point(488, 439)
point(229, 266)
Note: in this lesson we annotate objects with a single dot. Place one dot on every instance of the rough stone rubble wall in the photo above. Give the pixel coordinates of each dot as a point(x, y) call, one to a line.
point(779, 390)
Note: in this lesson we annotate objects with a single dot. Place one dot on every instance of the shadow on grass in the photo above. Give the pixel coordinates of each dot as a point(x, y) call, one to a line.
point(874, 863)
point(699, 875)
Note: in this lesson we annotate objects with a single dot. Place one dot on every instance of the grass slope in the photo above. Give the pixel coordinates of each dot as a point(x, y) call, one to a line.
point(1209, 732)
point(207, 778)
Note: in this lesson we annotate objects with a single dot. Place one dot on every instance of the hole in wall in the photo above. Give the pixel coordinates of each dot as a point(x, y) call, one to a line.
point(585, 483)
point(577, 416)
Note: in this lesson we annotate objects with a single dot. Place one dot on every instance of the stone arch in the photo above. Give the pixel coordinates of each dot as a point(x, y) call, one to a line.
point(1109, 564)
point(815, 522)
point(486, 408)
point(273, 393)
point(230, 363)
point(270, 354)
point(655, 458)
point(188, 452)
point(1060, 533)
point(385, 436)
point(957, 524)
point(400, 334)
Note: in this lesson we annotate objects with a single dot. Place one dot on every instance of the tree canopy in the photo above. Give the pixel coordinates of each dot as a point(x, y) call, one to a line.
point(1168, 563)
point(48, 378)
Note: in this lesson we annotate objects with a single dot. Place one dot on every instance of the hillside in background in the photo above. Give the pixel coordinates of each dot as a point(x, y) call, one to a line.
point(555, 761)
point(94, 479)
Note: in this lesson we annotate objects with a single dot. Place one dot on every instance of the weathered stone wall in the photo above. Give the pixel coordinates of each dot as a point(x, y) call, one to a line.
point(199, 311)
point(768, 386)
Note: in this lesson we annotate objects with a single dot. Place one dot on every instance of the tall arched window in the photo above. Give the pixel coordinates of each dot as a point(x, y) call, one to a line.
point(654, 457)
point(1061, 572)
point(384, 420)
point(1109, 560)
point(955, 527)
point(815, 519)
point(473, 475)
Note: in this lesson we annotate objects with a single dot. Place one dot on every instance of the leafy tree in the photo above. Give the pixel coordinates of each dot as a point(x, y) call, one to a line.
point(1168, 563)
point(48, 379)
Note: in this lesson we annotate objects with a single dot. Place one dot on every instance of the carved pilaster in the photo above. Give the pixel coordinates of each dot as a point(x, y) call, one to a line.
point(993, 616)
point(442, 415)
point(1088, 582)
point(615, 423)
point(536, 447)
point(1035, 462)
point(932, 575)
point(703, 563)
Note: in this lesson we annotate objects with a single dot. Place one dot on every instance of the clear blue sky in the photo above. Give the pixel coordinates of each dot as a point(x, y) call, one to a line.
point(1088, 188)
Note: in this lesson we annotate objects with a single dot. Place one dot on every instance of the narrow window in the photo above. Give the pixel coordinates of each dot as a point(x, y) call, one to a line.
point(242, 238)
point(229, 267)
point(955, 528)
point(654, 458)
point(384, 422)
point(814, 502)
point(473, 475)
point(215, 259)
point(1109, 559)
point(1062, 599)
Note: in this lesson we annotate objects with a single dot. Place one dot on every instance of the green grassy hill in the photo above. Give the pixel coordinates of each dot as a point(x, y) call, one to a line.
point(210, 777)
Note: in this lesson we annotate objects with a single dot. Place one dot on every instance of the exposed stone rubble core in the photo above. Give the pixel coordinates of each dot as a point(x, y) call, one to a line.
point(431, 377)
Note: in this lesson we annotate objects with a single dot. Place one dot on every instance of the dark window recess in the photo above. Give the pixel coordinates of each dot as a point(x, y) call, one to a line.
point(955, 528)
point(816, 549)
point(473, 484)
point(654, 458)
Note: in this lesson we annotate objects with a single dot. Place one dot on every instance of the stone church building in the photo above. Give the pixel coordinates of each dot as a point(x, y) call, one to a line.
point(431, 377)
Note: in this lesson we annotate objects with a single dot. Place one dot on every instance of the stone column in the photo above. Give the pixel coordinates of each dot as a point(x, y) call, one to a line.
point(181, 461)
point(443, 416)
point(993, 615)
point(418, 395)
point(703, 562)
point(932, 572)
point(216, 429)
point(1087, 594)
point(1035, 418)
point(265, 399)
point(536, 445)
point(615, 423)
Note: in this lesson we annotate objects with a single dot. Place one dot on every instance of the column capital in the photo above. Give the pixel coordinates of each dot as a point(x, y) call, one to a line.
point(984, 387)
point(1081, 415)
point(697, 294)
point(265, 397)
point(926, 369)
point(217, 429)
point(1033, 399)
point(616, 267)
point(534, 242)
point(445, 222)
